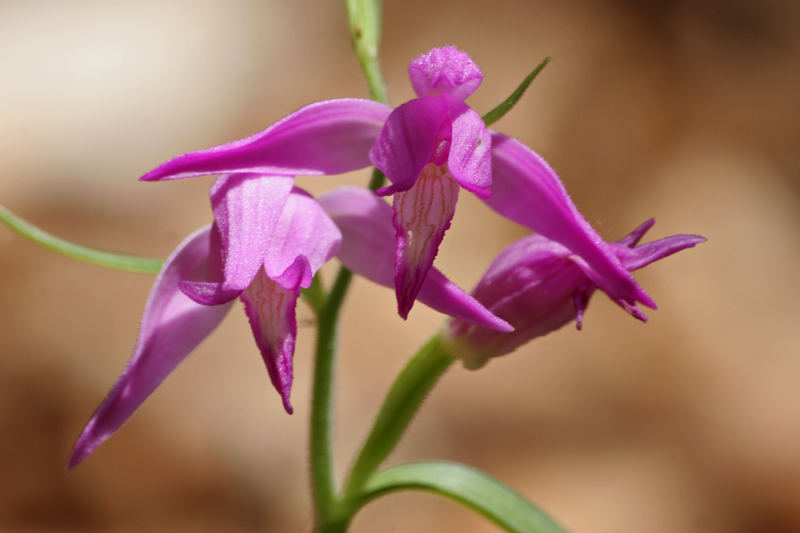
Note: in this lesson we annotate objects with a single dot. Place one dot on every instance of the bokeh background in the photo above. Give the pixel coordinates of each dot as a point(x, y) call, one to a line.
point(683, 110)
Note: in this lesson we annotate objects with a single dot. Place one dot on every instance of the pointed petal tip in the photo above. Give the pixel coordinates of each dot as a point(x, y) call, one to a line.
point(635, 312)
point(645, 299)
point(87, 443)
point(167, 170)
point(150, 176)
point(498, 324)
point(404, 305)
point(287, 404)
point(633, 238)
point(74, 460)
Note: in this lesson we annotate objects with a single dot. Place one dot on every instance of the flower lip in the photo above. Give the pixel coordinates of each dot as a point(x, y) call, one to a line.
point(368, 249)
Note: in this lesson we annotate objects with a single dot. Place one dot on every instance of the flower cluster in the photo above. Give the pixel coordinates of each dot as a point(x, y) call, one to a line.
point(268, 237)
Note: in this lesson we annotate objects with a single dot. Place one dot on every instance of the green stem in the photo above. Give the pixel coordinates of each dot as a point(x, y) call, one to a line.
point(377, 180)
point(129, 263)
point(322, 472)
point(331, 516)
point(400, 405)
point(365, 33)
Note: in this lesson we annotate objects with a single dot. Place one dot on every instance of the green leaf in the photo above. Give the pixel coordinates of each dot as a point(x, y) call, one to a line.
point(129, 263)
point(505, 106)
point(468, 486)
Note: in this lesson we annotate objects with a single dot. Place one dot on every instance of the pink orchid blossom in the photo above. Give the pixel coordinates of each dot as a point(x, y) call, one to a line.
point(428, 147)
point(539, 285)
point(267, 242)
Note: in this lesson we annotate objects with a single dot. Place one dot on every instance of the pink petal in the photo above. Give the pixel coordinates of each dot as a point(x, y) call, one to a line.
point(368, 237)
point(633, 238)
point(328, 137)
point(247, 208)
point(445, 70)
point(643, 255)
point(533, 284)
point(422, 214)
point(408, 140)
point(304, 230)
point(172, 326)
point(440, 293)
point(368, 249)
point(526, 190)
point(271, 311)
point(470, 158)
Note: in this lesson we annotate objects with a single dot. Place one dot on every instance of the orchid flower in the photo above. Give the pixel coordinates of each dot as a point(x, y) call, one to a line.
point(267, 242)
point(428, 147)
point(539, 285)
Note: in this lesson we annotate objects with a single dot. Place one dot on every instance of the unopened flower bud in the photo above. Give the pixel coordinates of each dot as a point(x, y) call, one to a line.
point(538, 285)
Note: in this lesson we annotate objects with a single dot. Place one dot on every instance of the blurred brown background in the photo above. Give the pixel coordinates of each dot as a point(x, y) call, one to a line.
point(686, 111)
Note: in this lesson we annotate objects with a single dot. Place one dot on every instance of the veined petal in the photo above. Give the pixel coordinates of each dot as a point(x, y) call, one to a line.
point(328, 137)
point(470, 158)
point(526, 190)
point(172, 326)
point(408, 140)
point(368, 247)
point(271, 311)
point(247, 208)
point(445, 70)
point(304, 231)
point(422, 214)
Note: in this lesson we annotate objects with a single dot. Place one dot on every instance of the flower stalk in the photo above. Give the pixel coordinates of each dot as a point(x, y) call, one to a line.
point(365, 33)
point(323, 476)
point(365, 17)
point(402, 402)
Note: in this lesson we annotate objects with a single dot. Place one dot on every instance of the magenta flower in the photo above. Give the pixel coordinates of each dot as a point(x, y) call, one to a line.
point(267, 242)
point(428, 147)
point(538, 285)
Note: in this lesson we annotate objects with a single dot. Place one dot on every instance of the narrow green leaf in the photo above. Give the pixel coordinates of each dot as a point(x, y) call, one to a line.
point(505, 106)
point(129, 263)
point(468, 486)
